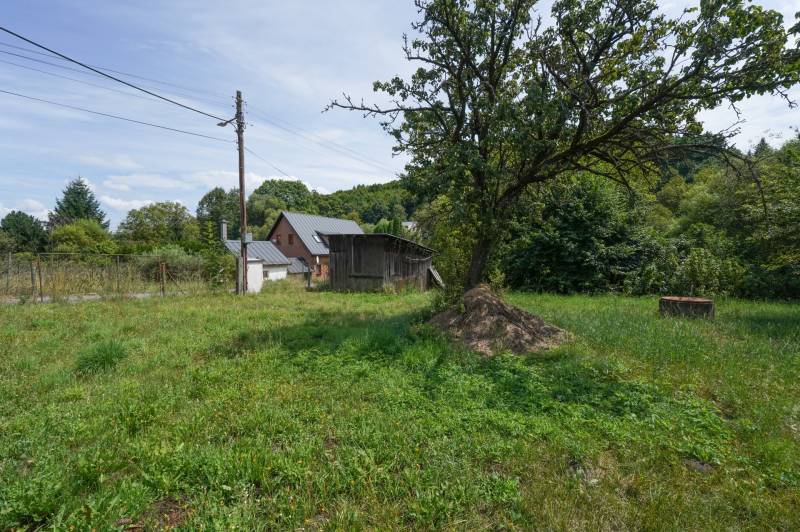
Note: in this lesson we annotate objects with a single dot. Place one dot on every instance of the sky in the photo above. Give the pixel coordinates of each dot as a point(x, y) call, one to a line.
point(288, 58)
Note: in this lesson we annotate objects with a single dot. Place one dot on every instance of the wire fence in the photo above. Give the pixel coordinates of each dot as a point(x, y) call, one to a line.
point(75, 277)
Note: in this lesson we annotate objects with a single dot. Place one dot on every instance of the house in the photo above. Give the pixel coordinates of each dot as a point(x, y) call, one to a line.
point(264, 261)
point(378, 261)
point(304, 236)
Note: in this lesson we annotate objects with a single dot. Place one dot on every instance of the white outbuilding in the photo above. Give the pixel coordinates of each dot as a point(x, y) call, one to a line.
point(265, 262)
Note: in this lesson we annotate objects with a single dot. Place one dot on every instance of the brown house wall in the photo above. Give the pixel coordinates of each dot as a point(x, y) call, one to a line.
point(297, 249)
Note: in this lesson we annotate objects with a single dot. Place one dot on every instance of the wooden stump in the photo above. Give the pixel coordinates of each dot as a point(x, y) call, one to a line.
point(693, 307)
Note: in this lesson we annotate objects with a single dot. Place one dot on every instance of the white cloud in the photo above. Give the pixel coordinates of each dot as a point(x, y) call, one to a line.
point(119, 187)
point(228, 179)
point(28, 205)
point(118, 162)
point(123, 205)
point(134, 181)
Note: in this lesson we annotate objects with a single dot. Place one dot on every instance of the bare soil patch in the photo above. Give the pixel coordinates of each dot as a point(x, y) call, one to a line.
point(487, 324)
point(164, 514)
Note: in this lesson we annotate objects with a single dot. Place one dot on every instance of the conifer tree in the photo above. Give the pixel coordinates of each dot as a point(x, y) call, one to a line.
point(77, 202)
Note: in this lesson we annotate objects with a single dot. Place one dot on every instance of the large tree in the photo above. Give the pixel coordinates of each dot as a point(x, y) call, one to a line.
point(158, 224)
point(25, 231)
point(217, 205)
point(503, 100)
point(275, 195)
point(77, 202)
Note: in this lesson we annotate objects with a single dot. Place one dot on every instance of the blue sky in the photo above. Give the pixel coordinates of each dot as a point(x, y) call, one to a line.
point(289, 58)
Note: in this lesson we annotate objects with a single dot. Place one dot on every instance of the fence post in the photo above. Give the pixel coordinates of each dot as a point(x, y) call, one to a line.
point(116, 273)
point(39, 272)
point(163, 270)
point(33, 283)
point(8, 276)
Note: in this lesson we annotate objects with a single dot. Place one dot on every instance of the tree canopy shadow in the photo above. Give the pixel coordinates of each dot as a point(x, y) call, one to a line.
point(536, 383)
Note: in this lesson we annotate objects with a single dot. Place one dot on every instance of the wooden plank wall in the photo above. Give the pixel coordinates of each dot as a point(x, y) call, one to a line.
point(368, 263)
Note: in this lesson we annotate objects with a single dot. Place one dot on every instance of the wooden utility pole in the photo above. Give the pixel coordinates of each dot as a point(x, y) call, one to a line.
point(242, 197)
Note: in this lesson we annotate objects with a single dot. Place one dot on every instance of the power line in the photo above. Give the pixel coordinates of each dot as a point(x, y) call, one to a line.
point(332, 146)
point(79, 71)
point(257, 156)
point(290, 128)
point(75, 108)
point(153, 80)
point(77, 80)
point(304, 133)
point(110, 76)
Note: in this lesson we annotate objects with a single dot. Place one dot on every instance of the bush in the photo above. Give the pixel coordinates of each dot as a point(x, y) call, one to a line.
point(583, 239)
point(697, 273)
point(180, 264)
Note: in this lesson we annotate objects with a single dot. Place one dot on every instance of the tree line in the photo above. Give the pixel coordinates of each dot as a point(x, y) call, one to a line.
point(694, 227)
point(77, 224)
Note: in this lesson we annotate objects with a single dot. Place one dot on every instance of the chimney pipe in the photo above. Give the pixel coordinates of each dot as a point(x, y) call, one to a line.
point(223, 229)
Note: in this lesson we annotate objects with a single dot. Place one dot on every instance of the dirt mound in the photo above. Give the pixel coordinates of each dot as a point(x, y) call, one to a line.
point(488, 325)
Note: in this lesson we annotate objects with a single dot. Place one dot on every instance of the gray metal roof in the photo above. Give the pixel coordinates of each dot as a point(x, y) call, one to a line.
point(259, 249)
point(307, 226)
point(297, 266)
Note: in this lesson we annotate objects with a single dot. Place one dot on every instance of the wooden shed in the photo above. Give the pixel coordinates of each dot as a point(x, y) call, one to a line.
point(376, 261)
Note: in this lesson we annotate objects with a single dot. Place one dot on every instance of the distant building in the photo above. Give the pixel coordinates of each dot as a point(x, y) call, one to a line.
point(378, 261)
point(304, 236)
point(265, 262)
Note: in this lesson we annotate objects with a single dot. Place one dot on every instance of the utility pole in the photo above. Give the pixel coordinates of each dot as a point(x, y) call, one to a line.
point(242, 197)
point(239, 119)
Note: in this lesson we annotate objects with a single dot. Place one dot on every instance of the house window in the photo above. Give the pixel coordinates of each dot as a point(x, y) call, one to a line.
point(277, 240)
point(266, 272)
point(291, 239)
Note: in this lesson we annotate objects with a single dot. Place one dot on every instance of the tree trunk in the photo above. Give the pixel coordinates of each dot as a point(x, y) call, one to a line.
point(479, 262)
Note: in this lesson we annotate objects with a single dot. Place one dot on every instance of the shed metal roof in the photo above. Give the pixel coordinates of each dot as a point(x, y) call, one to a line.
point(307, 226)
point(297, 266)
point(259, 249)
point(389, 236)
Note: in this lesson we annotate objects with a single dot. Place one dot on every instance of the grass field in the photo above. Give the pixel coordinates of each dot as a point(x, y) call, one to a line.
point(296, 410)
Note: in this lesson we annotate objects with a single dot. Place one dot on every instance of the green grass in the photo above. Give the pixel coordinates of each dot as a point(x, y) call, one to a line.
point(319, 410)
point(100, 356)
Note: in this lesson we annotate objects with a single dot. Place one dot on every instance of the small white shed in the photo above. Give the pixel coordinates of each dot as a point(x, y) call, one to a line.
point(265, 262)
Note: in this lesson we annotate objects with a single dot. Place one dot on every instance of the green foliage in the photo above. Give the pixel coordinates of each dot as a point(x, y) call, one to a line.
point(218, 205)
point(77, 202)
point(275, 195)
point(180, 265)
point(23, 232)
point(7, 244)
point(82, 236)
point(443, 229)
point(100, 357)
point(156, 225)
point(577, 235)
point(219, 266)
point(371, 203)
point(389, 227)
